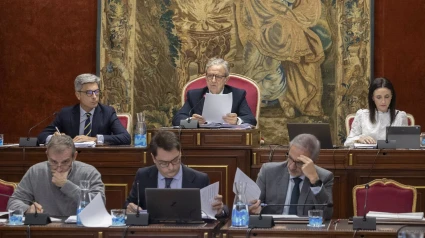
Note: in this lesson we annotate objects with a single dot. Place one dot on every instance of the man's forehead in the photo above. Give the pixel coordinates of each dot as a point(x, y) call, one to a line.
point(167, 155)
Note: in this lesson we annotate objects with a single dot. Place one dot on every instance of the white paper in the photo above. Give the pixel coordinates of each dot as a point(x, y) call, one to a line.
point(207, 198)
point(72, 219)
point(216, 106)
point(252, 191)
point(85, 144)
point(389, 215)
point(9, 145)
point(54, 219)
point(4, 213)
point(3, 220)
point(95, 214)
point(364, 146)
point(286, 217)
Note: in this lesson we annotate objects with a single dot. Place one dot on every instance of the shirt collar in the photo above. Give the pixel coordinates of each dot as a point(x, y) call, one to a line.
point(302, 177)
point(178, 176)
point(83, 113)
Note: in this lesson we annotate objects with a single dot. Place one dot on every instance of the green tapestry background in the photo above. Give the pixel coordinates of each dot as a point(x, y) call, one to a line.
point(311, 58)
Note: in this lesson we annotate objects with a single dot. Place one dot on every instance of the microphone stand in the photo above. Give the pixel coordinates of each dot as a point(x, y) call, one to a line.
point(32, 141)
point(32, 218)
point(191, 123)
point(260, 221)
point(138, 219)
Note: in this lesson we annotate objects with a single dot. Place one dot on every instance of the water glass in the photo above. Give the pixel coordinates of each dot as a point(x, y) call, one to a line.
point(15, 217)
point(118, 217)
point(1, 139)
point(315, 218)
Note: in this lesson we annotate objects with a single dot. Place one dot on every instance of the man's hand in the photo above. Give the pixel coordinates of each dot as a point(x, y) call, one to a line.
point(366, 140)
point(59, 179)
point(200, 119)
point(132, 208)
point(58, 134)
point(34, 206)
point(83, 138)
point(218, 204)
point(255, 207)
point(231, 118)
point(308, 168)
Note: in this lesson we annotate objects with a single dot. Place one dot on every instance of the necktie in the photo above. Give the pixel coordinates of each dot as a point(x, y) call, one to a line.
point(168, 182)
point(294, 196)
point(87, 125)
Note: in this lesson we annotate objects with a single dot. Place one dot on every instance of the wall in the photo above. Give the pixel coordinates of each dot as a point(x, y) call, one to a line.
point(44, 44)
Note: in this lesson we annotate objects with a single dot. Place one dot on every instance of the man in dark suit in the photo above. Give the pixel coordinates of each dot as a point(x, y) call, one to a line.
point(168, 172)
point(217, 75)
point(296, 181)
point(89, 120)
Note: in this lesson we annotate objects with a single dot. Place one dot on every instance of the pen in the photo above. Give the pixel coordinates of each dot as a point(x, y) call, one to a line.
point(261, 204)
point(57, 129)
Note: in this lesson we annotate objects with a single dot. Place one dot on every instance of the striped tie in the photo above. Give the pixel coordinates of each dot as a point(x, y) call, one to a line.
point(87, 125)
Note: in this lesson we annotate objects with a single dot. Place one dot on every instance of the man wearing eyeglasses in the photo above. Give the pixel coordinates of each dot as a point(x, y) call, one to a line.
point(217, 75)
point(53, 185)
point(296, 181)
point(89, 120)
point(168, 172)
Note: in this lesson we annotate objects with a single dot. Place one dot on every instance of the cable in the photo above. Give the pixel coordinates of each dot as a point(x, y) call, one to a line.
point(248, 232)
point(29, 231)
point(271, 154)
point(124, 234)
point(355, 232)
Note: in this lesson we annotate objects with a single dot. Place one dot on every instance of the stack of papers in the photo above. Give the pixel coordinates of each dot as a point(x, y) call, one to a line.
point(364, 146)
point(85, 144)
point(413, 216)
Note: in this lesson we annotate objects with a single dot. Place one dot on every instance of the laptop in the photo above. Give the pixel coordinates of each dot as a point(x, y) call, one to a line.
point(321, 131)
point(174, 205)
point(402, 137)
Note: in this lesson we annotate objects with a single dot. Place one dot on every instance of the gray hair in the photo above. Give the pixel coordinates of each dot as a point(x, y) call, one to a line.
point(308, 143)
point(85, 78)
point(59, 143)
point(218, 61)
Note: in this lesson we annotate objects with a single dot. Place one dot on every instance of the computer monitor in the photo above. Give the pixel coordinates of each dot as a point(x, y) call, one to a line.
point(173, 205)
point(406, 137)
point(321, 131)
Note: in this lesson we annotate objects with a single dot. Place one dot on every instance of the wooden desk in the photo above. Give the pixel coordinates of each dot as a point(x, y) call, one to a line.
point(71, 230)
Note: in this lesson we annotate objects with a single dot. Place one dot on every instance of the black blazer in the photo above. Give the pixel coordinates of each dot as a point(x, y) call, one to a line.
point(148, 178)
point(105, 122)
point(195, 103)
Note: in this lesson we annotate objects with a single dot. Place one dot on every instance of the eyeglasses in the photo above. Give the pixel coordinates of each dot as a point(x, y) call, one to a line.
point(165, 164)
point(54, 164)
point(90, 93)
point(210, 77)
point(297, 163)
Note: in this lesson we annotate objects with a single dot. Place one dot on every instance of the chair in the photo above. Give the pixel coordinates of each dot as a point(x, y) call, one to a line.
point(350, 118)
point(125, 119)
point(6, 188)
point(384, 195)
point(253, 96)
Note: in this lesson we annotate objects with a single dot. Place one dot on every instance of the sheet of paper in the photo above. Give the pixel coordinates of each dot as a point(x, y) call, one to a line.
point(252, 191)
point(364, 146)
point(287, 217)
point(216, 106)
point(71, 219)
point(9, 145)
point(4, 213)
point(85, 144)
point(207, 198)
point(95, 214)
point(388, 215)
point(54, 219)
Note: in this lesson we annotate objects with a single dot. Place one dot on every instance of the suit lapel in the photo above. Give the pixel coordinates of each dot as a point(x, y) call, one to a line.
point(305, 190)
point(75, 121)
point(282, 186)
point(188, 177)
point(152, 177)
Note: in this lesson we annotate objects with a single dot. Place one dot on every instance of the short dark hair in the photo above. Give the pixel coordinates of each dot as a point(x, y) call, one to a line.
point(165, 140)
point(59, 143)
point(381, 83)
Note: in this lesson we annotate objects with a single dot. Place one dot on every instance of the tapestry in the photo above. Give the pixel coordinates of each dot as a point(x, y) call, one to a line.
point(310, 58)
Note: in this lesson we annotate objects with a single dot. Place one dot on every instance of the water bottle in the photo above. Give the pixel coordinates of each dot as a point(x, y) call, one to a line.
point(140, 132)
point(84, 199)
point(240, 214)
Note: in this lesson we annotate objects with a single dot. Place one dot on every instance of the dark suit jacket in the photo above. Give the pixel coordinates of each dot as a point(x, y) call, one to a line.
point(194, 99)
point(105, 122)
point(148, 178)
point(273, 180)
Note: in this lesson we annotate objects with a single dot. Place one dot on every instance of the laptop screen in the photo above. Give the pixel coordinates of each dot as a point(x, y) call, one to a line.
point(407, 137)
point(173, 205)
point(321, 131)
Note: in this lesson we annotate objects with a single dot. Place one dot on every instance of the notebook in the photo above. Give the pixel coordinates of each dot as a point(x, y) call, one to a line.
point(322, 132)
point(174, 205)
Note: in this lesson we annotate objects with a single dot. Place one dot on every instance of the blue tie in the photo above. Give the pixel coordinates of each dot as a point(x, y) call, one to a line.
point(168, 182)
point(295, 196)
point(87, 125)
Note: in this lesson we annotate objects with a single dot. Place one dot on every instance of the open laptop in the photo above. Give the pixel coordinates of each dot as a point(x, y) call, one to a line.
point(401, 137)
point(321, 131)
point(174, 205)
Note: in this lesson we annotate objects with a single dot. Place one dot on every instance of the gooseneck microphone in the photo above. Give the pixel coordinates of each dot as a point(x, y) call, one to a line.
point(32, 141)
point(190, 123)
point(260, 221)
point(138, 219)
point(32, 218)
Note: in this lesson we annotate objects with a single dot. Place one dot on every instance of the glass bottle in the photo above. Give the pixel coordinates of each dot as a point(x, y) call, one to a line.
point(84, 199)
point(140, 131)
point(240, 214)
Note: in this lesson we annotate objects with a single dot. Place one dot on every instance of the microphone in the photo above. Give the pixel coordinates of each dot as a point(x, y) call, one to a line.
point(138, 219)
point(32, 141)
point(191, 123)
point(260, 221)
point(366, 223)
point(32, 218)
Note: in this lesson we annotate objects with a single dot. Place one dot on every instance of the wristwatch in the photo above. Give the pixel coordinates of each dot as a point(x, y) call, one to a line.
point(318, 183)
